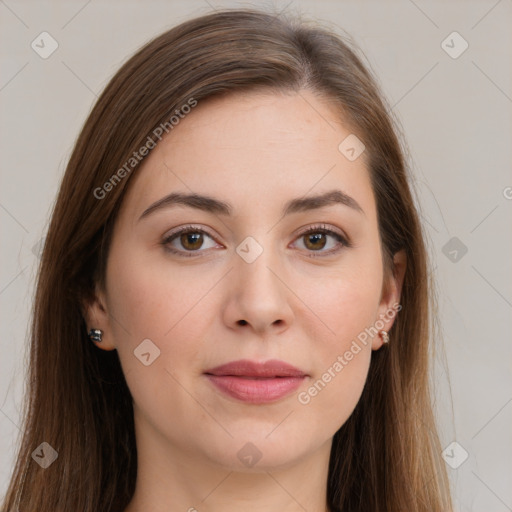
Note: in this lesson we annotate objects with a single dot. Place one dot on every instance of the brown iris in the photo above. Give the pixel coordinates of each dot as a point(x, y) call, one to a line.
point(191, 241)
point(315, 241)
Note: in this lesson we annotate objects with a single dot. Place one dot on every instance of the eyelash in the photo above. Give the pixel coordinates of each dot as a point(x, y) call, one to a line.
point(320, 228)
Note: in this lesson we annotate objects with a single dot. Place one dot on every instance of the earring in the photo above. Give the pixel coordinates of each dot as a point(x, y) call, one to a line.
point(95, 335)
point(385, 336)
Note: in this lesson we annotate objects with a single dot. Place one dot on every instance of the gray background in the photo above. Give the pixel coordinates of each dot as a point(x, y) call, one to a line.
point(456, 117)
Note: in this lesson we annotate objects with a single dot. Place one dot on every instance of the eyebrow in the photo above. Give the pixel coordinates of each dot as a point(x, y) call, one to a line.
point(212, 205)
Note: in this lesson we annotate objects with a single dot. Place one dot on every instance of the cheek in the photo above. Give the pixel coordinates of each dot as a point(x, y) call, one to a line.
point(346, 300)
point(332, 396)
point(151, 300)
point(346, 306)
point(341, 359)
point(146, 302)
point(171, 308)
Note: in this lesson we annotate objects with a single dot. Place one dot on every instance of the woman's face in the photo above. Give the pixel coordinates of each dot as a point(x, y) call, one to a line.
point(261, 273)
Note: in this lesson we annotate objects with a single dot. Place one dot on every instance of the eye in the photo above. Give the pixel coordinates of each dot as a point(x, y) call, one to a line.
point(191, 241)
point(188, 239)
point(321, 239)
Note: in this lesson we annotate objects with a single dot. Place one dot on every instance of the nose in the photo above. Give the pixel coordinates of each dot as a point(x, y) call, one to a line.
point(258, 297)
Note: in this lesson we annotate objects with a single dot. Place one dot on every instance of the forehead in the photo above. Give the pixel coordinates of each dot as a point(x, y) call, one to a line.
point(253, 149)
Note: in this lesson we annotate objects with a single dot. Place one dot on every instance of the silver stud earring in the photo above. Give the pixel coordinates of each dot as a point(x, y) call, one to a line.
point(95, 335)
point(385, 336)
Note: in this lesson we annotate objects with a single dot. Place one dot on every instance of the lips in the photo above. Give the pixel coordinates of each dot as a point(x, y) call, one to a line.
point(255, 382)
point(247, 368)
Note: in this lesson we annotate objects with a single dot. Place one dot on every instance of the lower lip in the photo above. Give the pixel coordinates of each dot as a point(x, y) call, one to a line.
point(256, 391)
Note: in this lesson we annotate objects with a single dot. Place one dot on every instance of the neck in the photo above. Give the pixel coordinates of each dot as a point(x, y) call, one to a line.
point(170, 478)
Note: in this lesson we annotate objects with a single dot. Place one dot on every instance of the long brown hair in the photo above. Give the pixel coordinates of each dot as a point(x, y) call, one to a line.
point(387, 456)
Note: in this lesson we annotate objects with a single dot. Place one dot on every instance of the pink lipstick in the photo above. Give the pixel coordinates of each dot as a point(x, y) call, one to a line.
point(254, 382)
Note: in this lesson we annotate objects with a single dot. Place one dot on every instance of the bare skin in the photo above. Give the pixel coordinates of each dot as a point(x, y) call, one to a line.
point(303, 300)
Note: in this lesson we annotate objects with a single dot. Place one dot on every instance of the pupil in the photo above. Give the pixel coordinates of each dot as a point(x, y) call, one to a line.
point(191, 240)
point(315, 238)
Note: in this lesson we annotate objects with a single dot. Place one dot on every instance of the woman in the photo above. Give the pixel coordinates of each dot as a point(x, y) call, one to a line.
point(233, 303)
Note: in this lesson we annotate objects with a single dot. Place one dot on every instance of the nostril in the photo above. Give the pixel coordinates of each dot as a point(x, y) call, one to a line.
point(242, 322)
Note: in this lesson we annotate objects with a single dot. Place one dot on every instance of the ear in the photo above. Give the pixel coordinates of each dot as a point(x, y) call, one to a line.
point(390, 299)
point(96, 316)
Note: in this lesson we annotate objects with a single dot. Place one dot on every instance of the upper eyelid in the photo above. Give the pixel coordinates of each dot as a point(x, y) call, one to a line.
point(193, 228)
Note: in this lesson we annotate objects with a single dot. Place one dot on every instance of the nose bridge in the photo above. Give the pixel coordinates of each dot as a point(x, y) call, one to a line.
point(259, 298)
point(254, 262)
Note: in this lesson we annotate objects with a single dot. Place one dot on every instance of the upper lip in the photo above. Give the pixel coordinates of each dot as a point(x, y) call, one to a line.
point(247, 368)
